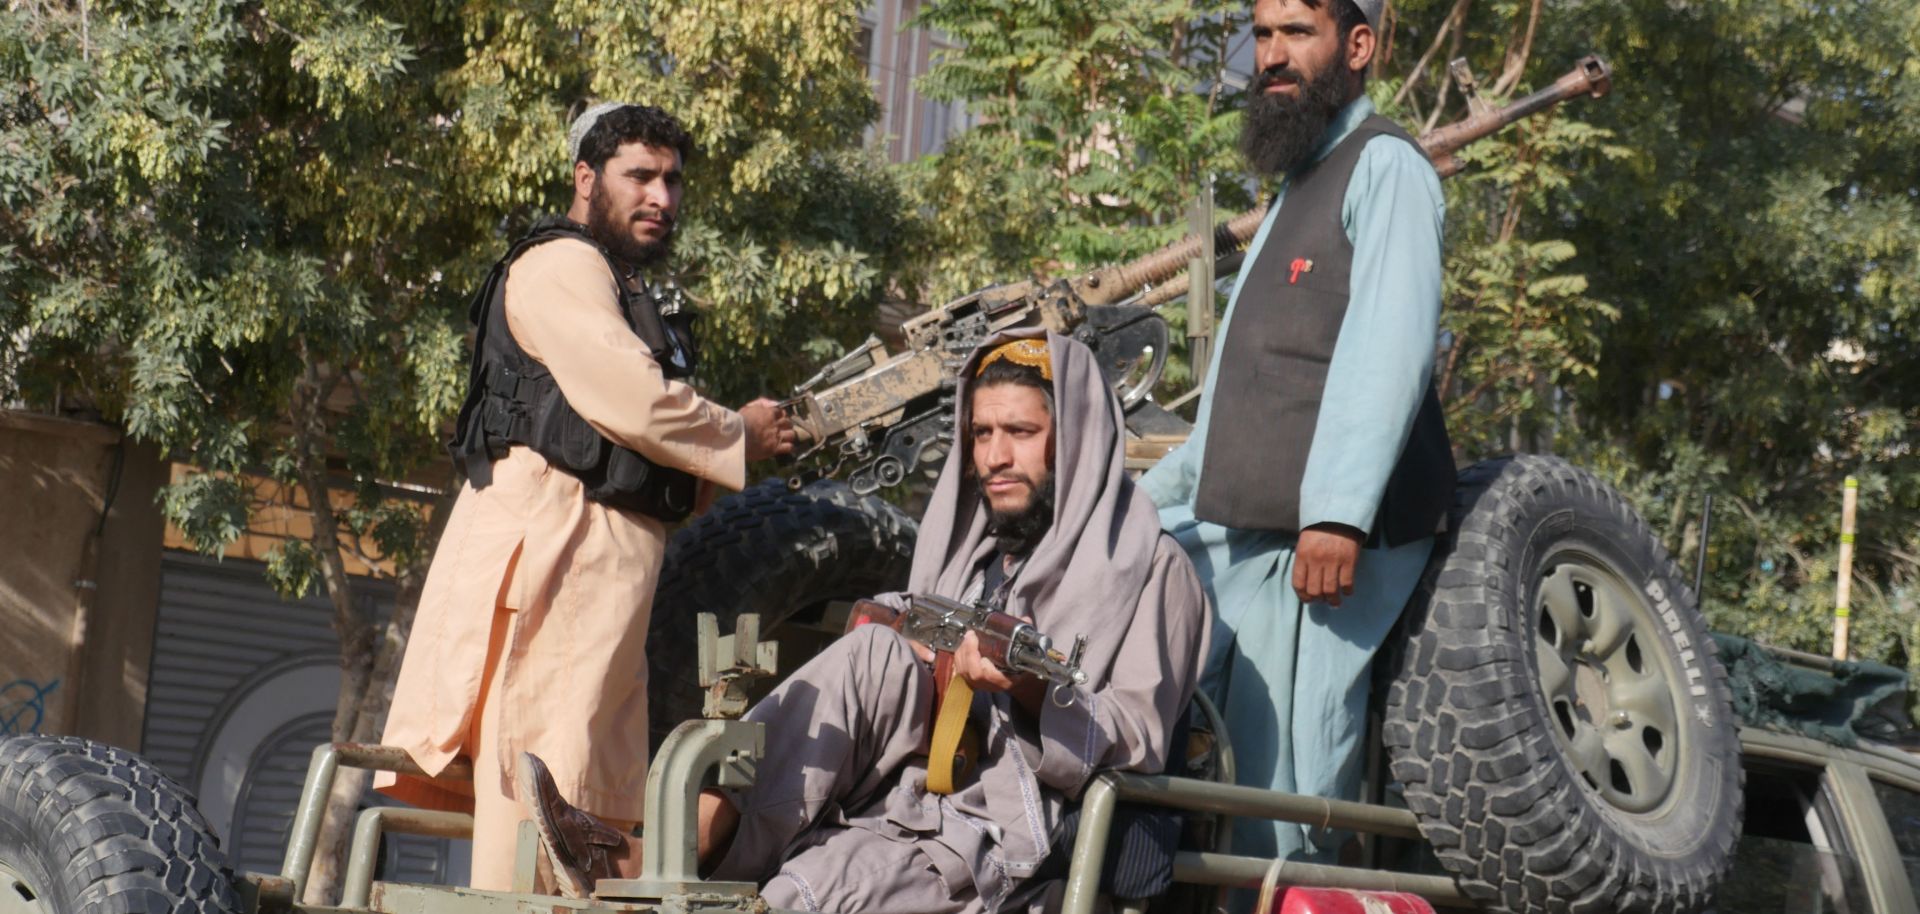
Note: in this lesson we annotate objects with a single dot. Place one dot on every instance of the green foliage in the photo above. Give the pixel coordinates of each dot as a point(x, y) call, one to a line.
point(1520, 323)
point(1768, 299)
point(210, 509)
point(215, 215)
point(1745, 208)
point(293, 567)
point(205, 194)
point(1707, 282)
point(247, 230)
point(1099, 124)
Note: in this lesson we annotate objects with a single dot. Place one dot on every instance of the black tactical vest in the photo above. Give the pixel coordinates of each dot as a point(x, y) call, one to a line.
point(513, 399)
point(1273, 371)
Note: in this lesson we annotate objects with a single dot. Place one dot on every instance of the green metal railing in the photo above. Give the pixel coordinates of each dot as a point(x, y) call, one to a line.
point(1110, 788)
point(322, 770)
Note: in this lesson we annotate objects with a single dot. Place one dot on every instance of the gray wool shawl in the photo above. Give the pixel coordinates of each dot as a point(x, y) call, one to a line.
point(1103, 570)
point(1087, 572)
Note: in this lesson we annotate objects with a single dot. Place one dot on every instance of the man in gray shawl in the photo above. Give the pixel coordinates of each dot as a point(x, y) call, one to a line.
point(1033, 513)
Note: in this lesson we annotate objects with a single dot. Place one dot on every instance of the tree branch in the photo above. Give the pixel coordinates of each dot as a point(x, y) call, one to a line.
point(1517, 60)
point(1440, 97)
point(1454, 17)
point(1453, 359)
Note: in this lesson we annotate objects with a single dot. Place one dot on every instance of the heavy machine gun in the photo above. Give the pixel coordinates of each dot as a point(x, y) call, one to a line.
point(877, 416)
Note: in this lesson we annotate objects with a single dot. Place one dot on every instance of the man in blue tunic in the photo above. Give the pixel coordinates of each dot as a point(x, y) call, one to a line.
point(1309, 494)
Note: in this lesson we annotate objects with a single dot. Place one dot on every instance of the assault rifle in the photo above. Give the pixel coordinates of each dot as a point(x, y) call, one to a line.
point(1011, 643)
point(878, 416)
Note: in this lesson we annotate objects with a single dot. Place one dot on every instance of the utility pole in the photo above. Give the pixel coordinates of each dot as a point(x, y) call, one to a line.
point(1843, 589)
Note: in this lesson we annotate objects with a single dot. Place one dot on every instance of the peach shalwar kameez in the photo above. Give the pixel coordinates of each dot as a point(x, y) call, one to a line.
point(531, 632)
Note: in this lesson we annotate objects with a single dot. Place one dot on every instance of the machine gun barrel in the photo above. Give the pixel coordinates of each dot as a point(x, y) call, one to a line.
point(1591, 76)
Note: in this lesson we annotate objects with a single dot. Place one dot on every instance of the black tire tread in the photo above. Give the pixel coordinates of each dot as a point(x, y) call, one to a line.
point(771, 551)
point(1498, 805)
point(125, 838)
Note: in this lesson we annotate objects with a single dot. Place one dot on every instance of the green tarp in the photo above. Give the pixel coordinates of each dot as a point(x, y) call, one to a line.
point(1853, 699)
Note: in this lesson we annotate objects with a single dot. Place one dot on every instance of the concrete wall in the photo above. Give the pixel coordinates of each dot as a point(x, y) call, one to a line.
point(79, 577)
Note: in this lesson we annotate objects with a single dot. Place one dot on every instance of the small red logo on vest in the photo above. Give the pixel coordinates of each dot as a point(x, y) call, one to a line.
point(1300, 265)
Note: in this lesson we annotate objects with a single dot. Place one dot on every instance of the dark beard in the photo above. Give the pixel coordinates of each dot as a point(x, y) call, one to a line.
point(1281, 132)
point(612, 234)
point(1016, 533)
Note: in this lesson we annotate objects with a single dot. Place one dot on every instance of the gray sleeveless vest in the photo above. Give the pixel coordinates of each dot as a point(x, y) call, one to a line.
point(1273, 371)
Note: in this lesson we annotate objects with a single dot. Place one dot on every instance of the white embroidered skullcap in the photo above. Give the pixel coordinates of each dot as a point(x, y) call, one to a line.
point(584, 123)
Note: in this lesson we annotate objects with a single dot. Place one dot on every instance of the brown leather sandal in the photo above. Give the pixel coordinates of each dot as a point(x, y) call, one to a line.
point(577, 843)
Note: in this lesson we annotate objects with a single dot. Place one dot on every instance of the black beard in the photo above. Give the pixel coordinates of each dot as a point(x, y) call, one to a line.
point(1280, 132)
point(1017, 532)
point(612, 234)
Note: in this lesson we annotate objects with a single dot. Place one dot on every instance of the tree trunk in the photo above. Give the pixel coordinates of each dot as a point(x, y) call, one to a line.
point(368, 708)
point(351, 623)
point(367, 666)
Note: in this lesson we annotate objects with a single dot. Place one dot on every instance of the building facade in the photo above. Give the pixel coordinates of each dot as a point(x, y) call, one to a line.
point(911, 125)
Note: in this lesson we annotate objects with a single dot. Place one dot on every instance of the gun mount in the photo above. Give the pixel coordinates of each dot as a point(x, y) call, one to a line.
point(878, 416)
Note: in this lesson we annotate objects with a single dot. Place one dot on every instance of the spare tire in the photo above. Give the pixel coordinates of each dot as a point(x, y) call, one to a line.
point(771, 551)
point(88, 828)
point(1558, 716)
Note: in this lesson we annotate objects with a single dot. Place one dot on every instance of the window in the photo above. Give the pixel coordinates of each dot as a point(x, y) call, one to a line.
point(1791, 857)
point(1902, 808)
point(863, 45)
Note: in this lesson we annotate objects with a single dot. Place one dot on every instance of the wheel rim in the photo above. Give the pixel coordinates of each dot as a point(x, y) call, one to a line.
point(20, 893)
point(1609, 687)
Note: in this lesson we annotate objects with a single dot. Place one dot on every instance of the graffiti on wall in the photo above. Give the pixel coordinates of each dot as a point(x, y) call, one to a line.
point(23, 705)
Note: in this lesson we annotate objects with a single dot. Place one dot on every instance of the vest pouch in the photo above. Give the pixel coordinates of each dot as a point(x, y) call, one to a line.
point(560, 435)
point(635, 483)
point(497, 419)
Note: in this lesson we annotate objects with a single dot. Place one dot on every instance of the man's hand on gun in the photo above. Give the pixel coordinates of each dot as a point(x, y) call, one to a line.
point(769, 430)
point(991, 650)
point(984, 675)
point(976, 667)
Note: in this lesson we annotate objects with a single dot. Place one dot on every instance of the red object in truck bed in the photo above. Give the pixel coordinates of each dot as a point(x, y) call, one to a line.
point(1300, 900)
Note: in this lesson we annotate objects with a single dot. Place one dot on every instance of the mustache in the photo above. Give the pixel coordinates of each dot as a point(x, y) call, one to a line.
point(660, 215)
point(1273, 75)
point(1010, 476)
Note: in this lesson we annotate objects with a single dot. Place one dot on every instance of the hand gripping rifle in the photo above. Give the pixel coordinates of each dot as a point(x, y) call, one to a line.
point(878, 416)
point(1012, 644)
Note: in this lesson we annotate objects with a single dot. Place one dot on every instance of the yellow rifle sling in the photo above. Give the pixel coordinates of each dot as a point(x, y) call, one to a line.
point(949, 730)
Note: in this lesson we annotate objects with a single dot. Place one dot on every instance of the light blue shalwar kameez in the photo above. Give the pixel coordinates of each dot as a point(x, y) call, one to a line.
point(1293, 681)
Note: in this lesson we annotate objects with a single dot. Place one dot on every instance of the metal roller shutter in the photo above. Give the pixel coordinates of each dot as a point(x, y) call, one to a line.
point(242, 688)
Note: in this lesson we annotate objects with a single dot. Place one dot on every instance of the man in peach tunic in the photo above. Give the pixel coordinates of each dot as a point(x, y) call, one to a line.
point(531, 633)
